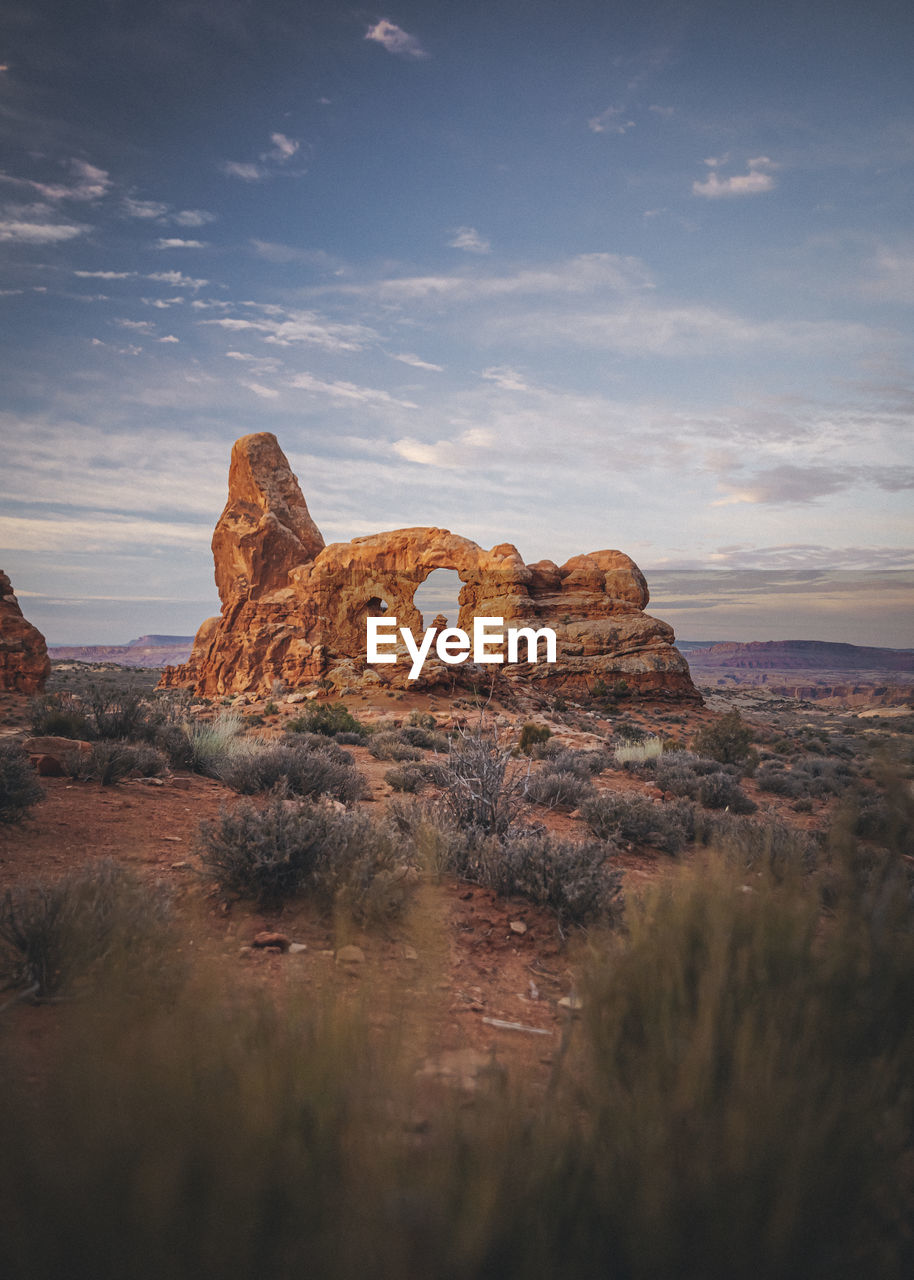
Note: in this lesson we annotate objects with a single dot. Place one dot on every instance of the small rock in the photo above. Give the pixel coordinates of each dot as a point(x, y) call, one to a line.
point(270, 938)
point(573, 1003)
point(410, 953)
point(152, 782)
point(517, 926)
point(293, 698)
point(245, 952)
point(296, 948)
point(180, 866)
point(350, 955)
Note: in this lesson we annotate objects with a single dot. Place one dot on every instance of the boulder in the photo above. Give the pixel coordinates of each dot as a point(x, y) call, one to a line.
point(24, 661)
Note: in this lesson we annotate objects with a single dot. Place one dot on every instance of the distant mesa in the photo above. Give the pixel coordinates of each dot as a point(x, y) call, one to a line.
point(802, 655)
point(295, 609)
point(147, 651)
point(24, 662)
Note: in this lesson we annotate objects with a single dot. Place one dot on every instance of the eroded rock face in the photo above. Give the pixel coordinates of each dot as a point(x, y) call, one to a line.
point(24, 661)
point(294, 609)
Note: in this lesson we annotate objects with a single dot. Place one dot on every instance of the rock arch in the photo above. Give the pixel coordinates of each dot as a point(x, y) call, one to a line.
point(293, 608)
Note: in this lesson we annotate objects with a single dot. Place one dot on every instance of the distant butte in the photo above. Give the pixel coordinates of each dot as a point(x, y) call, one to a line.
point(24, 661)
point(294, 609)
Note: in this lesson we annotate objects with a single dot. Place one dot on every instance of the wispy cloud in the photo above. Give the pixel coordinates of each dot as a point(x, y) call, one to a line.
point(177, 279)
point(416, 362)
point(268, 164)
point(347, 391)
point(612, 120)
point(756, 180)
point(245, 171)
point(469, 239)
point(395, 40)
point(29, 231)
point(286, 327)
point(171, 243)
point(89, 184)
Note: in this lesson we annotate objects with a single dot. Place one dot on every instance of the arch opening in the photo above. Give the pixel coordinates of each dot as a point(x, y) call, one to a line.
point(438, 596)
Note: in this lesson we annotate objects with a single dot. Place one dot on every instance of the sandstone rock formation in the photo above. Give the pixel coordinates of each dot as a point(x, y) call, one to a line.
point(24, 661)
point(294, 609)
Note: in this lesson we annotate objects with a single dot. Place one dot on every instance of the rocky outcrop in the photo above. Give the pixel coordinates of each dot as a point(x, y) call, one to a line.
point(24, 661)
point(295, 610)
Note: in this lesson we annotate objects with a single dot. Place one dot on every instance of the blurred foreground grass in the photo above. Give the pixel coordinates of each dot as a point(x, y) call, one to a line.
point(735, 1100)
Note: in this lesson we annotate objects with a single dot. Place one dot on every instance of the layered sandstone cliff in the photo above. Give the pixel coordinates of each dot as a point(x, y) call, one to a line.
point(24, 661)
point(295, 610)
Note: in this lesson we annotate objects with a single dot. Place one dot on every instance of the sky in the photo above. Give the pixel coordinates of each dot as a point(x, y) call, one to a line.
point(572, 275)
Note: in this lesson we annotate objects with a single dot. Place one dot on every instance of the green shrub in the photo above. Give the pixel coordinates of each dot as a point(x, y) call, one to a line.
point(482, 787)
point(327, 718)
point(389, 745)
point(572, 878)
point(213, 744)
point(728, 740)
point(53, 934)
point(59, 715)
point(302, 769)
point(744, 1069)
point(111, 762)
point(531, 735)
point(722, 791)
point(408, 778)
point(19, 785)
point(558, 789)
point(615, 816)
point(272, 854)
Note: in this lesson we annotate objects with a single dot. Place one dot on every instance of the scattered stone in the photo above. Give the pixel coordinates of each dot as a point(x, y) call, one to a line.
point(350, 955)
point(502, 1025)
point(296, 948)
point(180, 866)
point(517, 926)
point(271, 938)
point(410, 953)
point(573, 1003)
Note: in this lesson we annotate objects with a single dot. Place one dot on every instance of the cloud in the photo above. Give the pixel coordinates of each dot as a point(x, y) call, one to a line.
point(146, 209)
point(406, 357)
point(180, 244)
point(282, 254)
point(169, 337)
point(285, 327)
point(469, 239)
point(91, 183)
point(14, 229)
point(258, 388)
point(193, 217)
point(507, 379)
point(586, 273)
point(268, 163)
point(347, 391)
point(790, 483)
point(98, 534)
point(246, 172)
point(757, 180)
point(177, 278)
point(283, 148)
point(104, 275)
point(610, 121)
point(446, 455)
point(395, 40)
